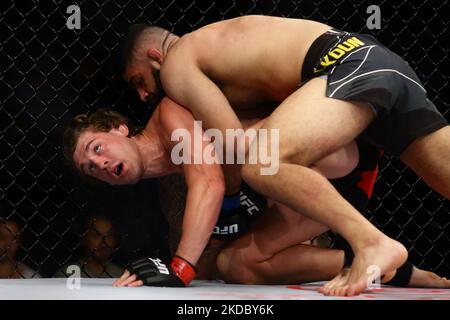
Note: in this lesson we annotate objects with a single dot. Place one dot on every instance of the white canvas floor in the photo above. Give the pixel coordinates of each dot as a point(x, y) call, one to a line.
point(101, 289)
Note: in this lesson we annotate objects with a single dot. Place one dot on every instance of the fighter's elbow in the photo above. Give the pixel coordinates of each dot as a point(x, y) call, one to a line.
point(215, 180)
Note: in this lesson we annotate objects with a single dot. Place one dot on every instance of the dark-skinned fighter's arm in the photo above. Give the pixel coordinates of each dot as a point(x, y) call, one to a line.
point(188, 85)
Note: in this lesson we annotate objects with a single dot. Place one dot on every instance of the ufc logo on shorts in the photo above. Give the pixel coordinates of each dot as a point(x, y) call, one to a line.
point(227, 229)
point(161, 266)
point(251, 207)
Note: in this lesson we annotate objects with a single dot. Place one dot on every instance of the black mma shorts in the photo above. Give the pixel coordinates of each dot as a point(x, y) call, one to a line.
point(359, 68)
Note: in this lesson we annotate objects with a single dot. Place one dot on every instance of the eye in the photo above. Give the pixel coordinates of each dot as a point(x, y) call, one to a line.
point(97, 149)
point(139, 83)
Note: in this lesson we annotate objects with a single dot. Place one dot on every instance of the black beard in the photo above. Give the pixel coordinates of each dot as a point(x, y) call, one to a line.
point(156, 97)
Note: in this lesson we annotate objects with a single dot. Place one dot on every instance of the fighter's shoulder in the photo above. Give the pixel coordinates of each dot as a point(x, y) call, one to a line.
point(189, 50)
point(171, 114)
point(185, 49)
point(178, 65)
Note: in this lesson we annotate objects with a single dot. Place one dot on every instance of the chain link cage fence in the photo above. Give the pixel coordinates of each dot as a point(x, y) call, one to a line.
point(51, 73)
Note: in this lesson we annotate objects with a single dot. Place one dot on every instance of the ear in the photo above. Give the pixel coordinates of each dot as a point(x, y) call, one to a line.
point(155, 55)
point(121, 130)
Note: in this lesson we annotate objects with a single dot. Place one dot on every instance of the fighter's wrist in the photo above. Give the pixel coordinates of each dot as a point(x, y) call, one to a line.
point(184, 270)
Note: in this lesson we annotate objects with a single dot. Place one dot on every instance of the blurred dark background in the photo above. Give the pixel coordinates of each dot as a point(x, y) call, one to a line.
point(50, 74)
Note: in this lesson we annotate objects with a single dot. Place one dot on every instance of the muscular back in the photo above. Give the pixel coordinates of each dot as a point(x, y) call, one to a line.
point(254, 60)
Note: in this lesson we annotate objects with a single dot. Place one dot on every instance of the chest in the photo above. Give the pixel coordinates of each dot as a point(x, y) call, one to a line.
point(246, 95)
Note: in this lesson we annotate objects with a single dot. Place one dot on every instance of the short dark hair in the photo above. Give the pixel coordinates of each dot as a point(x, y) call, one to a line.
point(101, 120)
point(128, 45)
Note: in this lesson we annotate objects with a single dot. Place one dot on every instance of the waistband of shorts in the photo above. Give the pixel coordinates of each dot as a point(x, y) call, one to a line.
point(318, 48)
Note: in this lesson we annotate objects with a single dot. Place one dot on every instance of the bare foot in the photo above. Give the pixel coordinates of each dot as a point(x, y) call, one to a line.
point(337, 281)
point(386, 254)
point(423, 279)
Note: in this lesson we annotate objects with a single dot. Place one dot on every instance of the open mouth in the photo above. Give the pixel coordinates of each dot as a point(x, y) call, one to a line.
point(119, 169)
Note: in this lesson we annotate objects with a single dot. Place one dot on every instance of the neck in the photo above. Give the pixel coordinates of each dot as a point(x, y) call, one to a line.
point(156, 159)
point(168, 41)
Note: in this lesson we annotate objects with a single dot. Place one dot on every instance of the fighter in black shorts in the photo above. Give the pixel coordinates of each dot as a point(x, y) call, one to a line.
point(266, 243)
point(107, 147)
point(360, 68)
point(254, 62)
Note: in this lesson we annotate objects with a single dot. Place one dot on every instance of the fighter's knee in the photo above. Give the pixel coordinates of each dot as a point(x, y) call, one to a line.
point(222, 262)
point(254, 175)
point(446, 192)
point(442, 187)
point(233, 268)
point(226, 266)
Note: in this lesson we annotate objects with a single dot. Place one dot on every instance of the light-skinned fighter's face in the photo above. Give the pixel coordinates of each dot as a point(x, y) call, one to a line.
point(111, 156)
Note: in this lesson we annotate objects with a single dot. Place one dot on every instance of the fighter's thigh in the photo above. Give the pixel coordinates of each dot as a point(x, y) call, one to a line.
point(429, 158)
point(312, 125)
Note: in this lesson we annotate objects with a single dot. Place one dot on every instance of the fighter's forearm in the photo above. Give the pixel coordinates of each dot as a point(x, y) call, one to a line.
point(203, 204)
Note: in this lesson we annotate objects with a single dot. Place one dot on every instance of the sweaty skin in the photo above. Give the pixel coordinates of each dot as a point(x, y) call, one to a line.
point(147, 155)
point(273, 251)
point(246, 70)
point(256, 62)
point(154, 145)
